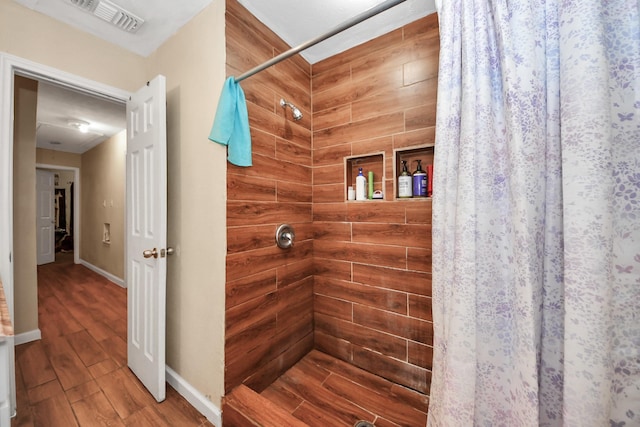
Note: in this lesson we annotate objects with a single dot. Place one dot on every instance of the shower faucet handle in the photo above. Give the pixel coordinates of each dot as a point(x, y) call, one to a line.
point(285, 236)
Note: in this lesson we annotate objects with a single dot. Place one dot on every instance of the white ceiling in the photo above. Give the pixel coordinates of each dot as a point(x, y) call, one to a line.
point(295, 21)
point(162, 18)
point(59, 107)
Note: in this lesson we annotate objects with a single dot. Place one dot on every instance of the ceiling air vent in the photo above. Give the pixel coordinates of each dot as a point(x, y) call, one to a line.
point(85, 4)
point(111, 13)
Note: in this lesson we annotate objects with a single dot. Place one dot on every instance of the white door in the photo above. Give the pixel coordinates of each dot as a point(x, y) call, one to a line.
point(147, 234)
point(45, 222)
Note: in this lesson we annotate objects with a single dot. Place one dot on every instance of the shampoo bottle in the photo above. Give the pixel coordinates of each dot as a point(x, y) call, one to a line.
point(405, 182)
point(361, 186)
point(419, 181)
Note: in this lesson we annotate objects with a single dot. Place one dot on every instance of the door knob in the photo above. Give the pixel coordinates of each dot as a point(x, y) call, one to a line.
point(150, 253)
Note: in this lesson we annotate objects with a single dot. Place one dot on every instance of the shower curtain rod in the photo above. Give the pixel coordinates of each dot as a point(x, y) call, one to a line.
point(345, 25)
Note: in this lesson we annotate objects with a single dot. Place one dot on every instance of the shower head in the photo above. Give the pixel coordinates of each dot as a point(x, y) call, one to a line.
point(297, 115)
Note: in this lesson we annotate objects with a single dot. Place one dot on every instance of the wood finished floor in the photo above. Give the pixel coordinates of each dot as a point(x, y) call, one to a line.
point(77, 374)
point(321, 391)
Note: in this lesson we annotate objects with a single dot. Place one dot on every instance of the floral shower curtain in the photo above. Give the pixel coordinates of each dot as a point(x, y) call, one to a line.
point(536, 214)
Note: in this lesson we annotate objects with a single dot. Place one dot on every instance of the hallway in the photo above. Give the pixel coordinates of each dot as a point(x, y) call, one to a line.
point(77, 374)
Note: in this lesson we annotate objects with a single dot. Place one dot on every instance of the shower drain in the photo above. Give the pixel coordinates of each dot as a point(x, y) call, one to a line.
point(363, 424)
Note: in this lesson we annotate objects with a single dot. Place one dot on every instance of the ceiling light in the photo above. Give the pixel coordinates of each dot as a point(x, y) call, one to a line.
point(55, 142)
point(81, 125)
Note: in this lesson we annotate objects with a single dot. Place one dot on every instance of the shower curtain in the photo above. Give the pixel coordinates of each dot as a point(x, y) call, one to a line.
point(536, 214)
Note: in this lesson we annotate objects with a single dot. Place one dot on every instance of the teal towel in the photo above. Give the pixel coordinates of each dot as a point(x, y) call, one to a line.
point(231, 124)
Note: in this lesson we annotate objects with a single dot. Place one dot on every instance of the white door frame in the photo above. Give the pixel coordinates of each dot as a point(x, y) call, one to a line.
point(75, 207)
point(11, 65)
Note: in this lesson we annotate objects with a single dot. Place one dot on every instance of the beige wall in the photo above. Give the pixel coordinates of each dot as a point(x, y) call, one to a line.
point(57, 158)
point(44, 40)
point(193, 61)
point(25, 278)
point(102, 189)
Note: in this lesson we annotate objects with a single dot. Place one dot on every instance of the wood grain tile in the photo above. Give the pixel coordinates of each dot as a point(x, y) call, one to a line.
point(296, 381)
point(266, 374)
point(102, 368)
point(373, 339)
point(124, 392)
point(408, 235)
point(338, 231)
point(419, 259)
point(331, 155)
point(394, 370)
point(330, 212)
point(266, 213)
point(329, 193)
point(87, 349)
point(95, 410)
point(371, 296)
point(177, 412)
point(389, 256)
point(336, 382)
point(395, 324)
point(54, 412)
point(329, 344)
point(240, 265)
point(402, 280)
point(35, 366)
point(420, 307)
point(293, 192)
point(249, 287)
point(88, 298)
point(387, 124)
point(376, 97)
point(282, 397)
point(420, 354)
point(332, 306)
point(400, 413)
point(328, 267)
point(415, 138)
point(146, 417)
point(253, 311)
point(245, 401)
point(250, 188)
point(294, 272)
point(82, 391)
point(44, 391)
point(332, 174)
point(314, 416)
point(67, 365)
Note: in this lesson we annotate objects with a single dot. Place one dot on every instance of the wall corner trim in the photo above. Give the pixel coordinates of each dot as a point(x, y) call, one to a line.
point(118, 281)
point(26, 337)
point(195, 398)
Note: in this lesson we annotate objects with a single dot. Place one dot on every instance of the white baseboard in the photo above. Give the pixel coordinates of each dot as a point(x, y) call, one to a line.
point(26, 337)
point(118, 281)
point(195, 398)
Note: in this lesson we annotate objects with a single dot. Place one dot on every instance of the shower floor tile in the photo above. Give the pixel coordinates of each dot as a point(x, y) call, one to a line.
point(321, 390)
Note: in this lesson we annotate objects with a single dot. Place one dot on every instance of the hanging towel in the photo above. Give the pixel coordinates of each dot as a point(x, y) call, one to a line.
point(231, 124)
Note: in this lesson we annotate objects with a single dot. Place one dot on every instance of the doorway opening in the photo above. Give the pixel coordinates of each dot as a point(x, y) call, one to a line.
point(66, 202)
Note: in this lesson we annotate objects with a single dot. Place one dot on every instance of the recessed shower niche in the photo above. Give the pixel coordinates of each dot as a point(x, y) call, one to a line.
point(411, 155)
point(369, 163)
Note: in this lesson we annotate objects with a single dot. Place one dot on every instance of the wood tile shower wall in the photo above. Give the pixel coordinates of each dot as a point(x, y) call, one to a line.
point(372, 285)
point(269, 291)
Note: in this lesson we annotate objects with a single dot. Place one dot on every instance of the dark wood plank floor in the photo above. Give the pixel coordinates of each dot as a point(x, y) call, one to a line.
point(324, 391)
point(77, 374)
